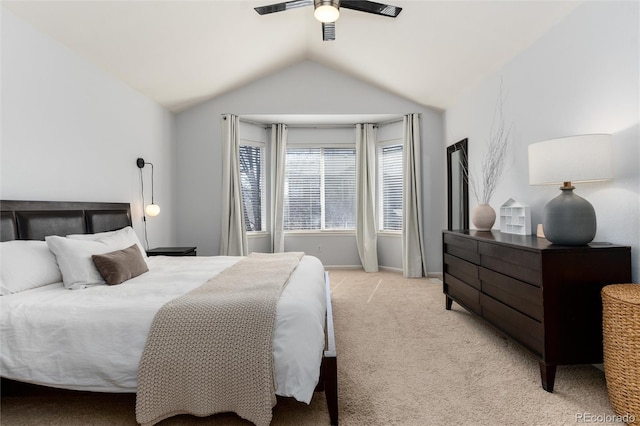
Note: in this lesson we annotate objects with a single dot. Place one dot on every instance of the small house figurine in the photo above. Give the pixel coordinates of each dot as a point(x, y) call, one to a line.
point(515, 218)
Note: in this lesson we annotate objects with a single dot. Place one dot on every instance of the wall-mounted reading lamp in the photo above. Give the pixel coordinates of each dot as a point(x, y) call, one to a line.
point(152, 209)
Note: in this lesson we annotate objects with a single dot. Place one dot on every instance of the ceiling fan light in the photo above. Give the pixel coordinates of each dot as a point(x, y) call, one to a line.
point(326, 10)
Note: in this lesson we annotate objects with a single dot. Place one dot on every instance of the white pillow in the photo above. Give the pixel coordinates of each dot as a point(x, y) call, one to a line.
point(94, 237)
point(74, 257)
point(26, 264)
point(127, 233)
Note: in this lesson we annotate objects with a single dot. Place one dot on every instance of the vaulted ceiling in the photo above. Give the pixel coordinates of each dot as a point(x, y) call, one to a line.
point(179, 53)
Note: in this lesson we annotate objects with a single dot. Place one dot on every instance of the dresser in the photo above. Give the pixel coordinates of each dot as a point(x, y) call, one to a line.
point(544, 297)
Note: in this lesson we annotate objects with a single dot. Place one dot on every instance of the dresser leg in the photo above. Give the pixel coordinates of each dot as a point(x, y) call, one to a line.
point(548, 376)
point(448, 303)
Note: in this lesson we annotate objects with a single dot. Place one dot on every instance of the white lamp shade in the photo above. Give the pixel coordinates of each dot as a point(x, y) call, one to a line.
point(152, 210)
point(584, 158)
point(326, 11)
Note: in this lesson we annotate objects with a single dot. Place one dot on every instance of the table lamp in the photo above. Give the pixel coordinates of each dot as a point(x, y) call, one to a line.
point(569, 219)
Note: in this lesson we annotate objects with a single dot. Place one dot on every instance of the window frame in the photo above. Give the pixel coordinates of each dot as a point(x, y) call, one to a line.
point(324, 232)
point(379, 191)
point(263, 190)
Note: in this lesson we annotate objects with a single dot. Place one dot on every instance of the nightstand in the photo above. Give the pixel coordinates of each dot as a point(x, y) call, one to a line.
point(172, 251)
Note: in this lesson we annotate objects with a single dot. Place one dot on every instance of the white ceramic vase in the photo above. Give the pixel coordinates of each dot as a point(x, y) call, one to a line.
point(483, 217)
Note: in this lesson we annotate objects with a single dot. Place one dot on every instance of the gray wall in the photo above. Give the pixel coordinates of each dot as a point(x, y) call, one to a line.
point(72, 132)
point(580, 78)
point(305, 88)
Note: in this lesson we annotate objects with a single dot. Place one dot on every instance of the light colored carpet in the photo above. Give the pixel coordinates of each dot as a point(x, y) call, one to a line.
point(402, 360)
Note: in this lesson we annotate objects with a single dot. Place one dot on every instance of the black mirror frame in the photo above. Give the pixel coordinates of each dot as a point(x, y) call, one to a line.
point(459, 146)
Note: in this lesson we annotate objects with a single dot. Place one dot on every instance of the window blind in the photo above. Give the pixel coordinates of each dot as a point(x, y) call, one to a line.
point(302, 197)
point(319, 189)
point(339, 188)
point(390, 178)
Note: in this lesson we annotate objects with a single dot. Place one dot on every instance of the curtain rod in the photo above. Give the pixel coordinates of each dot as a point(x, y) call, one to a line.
point(393, 120)
point(319, 126)
point(255, 123)
point(299, 126)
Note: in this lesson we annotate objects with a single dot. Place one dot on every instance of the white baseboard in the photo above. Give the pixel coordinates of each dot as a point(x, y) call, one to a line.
point(399, 270)
point(343, 267)
point(437, 275)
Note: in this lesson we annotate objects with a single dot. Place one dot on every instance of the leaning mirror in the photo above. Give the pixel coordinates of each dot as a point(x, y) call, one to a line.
point(457, 186)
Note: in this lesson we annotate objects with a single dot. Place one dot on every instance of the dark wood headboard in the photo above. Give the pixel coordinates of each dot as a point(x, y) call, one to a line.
point(34, 220)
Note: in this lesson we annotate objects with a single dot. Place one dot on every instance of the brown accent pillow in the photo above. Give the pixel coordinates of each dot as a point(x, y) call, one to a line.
point(120, 265)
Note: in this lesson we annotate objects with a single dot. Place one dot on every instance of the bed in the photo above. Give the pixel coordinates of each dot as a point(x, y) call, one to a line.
point(92, 339)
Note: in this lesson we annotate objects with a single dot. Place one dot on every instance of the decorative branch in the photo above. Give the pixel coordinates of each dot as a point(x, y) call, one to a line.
point(493, 162)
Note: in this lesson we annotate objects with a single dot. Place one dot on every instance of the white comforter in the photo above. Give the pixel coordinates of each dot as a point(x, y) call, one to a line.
point(92, 339)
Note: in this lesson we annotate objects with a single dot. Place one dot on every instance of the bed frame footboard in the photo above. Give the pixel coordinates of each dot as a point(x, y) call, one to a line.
point(329, 367)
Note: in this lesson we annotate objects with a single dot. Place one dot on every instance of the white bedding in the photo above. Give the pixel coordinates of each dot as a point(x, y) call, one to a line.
point(92, 339)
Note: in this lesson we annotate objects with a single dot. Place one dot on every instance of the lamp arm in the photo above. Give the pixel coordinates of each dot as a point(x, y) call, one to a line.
point(141, 163)
point(152, 201)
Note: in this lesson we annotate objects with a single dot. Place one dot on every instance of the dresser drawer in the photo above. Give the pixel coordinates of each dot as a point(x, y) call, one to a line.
point(462, 247)
point(464, 294)
point(521, 328)
point(521, 264)
point(519, 295)
point(463, 270)
point(530, 259)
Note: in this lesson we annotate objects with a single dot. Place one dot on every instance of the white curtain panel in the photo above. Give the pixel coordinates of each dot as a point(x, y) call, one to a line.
point(278, 157)
point(366, 229)
point(413, 264)
point(233, 235)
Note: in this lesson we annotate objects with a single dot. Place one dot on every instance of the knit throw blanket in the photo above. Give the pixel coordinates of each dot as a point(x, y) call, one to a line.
point(211, 350)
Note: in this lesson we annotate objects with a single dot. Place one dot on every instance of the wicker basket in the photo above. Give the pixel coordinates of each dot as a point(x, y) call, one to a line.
point(621, 333)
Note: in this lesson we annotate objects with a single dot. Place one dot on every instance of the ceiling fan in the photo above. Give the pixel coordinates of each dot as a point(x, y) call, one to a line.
point(328, 11)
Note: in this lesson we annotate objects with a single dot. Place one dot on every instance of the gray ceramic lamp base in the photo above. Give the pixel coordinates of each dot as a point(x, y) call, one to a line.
point(569, 219)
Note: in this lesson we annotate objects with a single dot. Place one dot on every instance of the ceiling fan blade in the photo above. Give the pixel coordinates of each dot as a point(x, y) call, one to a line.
point(280, 7)
point(372, 7)
point(328, 31)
